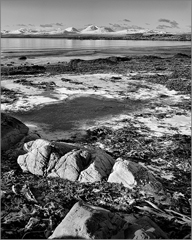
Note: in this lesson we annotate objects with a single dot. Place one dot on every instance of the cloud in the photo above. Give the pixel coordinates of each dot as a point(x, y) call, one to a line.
point(46, 25)
point(21, 25)
point(147, 23)
point(59, 24)
point(124, 26)
point(135, 27)
point(24, 25)
point(173, 24)
point(163, 27)
point(126, 20)
point(189, 26)
point(164, 20)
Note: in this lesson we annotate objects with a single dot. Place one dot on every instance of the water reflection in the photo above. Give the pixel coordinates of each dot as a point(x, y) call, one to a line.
point(15, 44)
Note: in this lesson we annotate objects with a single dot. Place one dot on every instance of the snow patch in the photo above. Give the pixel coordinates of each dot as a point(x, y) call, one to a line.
point(175, 124)
point(27, 104)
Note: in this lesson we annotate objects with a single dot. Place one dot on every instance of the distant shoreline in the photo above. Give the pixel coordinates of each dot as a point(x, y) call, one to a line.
point(151, 37)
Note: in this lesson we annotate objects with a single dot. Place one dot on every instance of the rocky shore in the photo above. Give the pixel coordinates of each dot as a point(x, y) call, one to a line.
point(119, 167)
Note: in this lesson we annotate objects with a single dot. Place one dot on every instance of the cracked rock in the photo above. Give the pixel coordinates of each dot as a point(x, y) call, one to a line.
point(90, 222)
point(70, 165)
point(132, 174)
point(100, 167)
point(35, 161)
point(144, 228)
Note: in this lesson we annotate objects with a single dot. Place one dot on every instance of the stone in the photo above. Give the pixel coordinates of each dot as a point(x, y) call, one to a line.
point(86, 221)
point(53, 159)
point(90, 222)
point(19, 147)
point(35, 144)
point(2, 194)
point(12, 131)
point(61, 147)
point(66, 161)
point(144, 228)
point(151, 228)
point(122, 174)
point(100, 167)
point(132, 174)
point(22, 58)
point(31, 137)
point(64, 148)
point(36, 160)
point(70, 165)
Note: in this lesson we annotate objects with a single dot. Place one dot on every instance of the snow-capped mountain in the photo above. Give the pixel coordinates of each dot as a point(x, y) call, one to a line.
point(56, 31)
point(21, 31)
point(96, 30)
point(68, 30)
point(4, 31)
point(88, 30)
point(72, 30)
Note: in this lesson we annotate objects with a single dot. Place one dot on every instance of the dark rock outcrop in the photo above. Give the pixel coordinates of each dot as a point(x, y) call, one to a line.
point(144, 228)
point(182, 55)
point(12, 131)
point(22, 58)
point(90, 222)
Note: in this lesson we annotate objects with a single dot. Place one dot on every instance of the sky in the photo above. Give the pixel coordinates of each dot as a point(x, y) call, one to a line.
point(166, 15)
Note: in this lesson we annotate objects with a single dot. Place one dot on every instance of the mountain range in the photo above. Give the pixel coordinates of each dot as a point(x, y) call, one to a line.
point(88, 30)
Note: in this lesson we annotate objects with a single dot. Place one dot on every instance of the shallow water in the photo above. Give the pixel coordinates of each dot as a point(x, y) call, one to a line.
point(44, 44)
point(42, 50)
point(69, 114)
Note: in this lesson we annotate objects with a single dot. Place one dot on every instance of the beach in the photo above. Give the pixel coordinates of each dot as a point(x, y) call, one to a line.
point(133, 105)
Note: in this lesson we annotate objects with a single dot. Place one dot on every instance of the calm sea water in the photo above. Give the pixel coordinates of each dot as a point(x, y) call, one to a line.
point(44, 50)
point(42, 44)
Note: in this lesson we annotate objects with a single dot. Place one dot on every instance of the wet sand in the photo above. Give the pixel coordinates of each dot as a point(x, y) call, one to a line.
point(60, 55)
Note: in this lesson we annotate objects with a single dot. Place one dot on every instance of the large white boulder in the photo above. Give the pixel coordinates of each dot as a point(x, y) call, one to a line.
point(54, 159)
point(132, 174)
point(36, 160)
point(100, 167)
point(70, 165)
